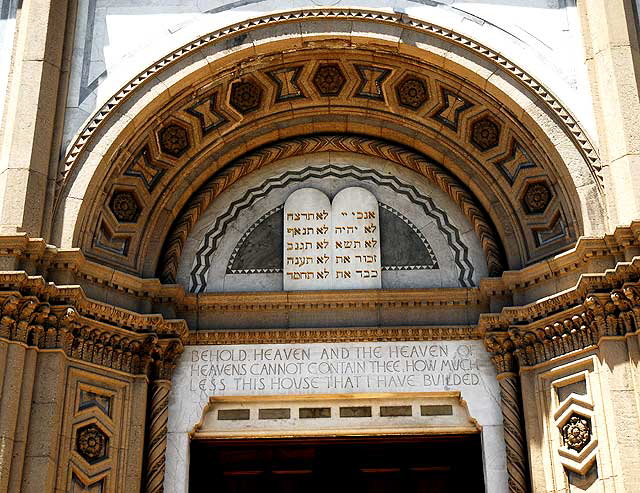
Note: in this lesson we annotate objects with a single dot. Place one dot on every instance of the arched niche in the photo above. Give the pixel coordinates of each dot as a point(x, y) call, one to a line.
point(425, 238)
point(228, 95)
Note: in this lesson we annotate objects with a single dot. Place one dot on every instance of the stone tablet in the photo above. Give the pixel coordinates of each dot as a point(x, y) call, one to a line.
point(356, 240)
point(307, 241)
point(331, 247)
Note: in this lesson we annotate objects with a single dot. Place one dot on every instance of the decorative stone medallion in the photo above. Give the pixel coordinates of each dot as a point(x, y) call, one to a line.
point(246, 96)
point(91, 443)
point(125, 207)
point(576, 433)
point(536, 198)
point(485, 134)
point(412, 92)
point(329, 79)
point(174, 140)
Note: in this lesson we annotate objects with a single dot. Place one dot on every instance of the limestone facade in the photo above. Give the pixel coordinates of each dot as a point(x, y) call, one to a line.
point(179, 182)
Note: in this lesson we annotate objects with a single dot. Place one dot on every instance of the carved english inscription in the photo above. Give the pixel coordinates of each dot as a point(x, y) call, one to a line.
point(331, 246)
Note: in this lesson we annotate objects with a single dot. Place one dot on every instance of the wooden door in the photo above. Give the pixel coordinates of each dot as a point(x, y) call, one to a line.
point(365, 465)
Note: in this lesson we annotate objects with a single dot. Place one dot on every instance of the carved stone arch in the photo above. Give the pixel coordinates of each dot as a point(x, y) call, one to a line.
point(176, 125)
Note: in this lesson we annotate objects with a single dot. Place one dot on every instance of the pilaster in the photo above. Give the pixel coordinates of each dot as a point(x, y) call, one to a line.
point(32, 102)
point(610, 35)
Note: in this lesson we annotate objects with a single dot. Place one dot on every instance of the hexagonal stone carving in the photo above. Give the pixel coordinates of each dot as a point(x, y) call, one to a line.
point(329, 79)
point(246, 96)
point(576, 432)
point(536, 198)
point(125, 206)
point(412, 92)
point(485, 134)
point(174, 140)
point(92, 443)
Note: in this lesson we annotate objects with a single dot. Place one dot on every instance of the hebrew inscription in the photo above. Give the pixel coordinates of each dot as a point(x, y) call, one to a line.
point(331, 246)
point(307, 240)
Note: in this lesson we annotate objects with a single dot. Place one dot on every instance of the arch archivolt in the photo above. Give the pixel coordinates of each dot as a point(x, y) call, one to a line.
point(137, 170)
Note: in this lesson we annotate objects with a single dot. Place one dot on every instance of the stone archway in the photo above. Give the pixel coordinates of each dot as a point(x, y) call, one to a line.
point(432, 99)
point(532, 171)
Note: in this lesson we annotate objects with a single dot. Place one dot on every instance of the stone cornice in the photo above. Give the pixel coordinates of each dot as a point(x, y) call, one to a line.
point(45, 316)
point(355, 334)
point(34, 256)
point(615, 313)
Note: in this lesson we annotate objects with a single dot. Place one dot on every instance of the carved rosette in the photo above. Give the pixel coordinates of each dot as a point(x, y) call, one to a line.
point(576, 433)
point(92, 443)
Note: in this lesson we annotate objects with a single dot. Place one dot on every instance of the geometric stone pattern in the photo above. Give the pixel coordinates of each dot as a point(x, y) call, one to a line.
point(402, 245)
point(371, 79)
point(210, 242)
point(168, 267)
point(287, 81)
point(225, 105)
point(92, 444)
point(89, 399)
point(451, 109)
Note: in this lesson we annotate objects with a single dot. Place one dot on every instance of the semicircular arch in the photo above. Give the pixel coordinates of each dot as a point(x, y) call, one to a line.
point(231, 93)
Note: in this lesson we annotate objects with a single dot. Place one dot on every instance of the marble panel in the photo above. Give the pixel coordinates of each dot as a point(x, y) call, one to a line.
point(356, 240)
point(307, 252)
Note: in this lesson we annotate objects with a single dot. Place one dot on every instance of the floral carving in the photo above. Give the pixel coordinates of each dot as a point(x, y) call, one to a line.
point(246, 96)
point(125, 207)
point(174, 140)
point(91, 443)
point(536, 198)
point(329, 79)
point(485, 134)
point(412, 92)
point(576, 433)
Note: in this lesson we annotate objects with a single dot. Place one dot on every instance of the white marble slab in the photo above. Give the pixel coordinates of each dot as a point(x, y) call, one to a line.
point(356, 240)
point(307, 254)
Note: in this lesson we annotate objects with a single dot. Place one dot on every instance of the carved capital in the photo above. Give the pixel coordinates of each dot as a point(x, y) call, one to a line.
point(128, 347)
point(616, 313)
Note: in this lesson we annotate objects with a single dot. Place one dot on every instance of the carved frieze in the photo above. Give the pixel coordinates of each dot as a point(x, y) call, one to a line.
point(83, 336)
point(616, 313)
point(187, 123)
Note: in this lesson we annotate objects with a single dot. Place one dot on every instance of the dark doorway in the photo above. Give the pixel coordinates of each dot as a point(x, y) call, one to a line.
point(426, 464)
